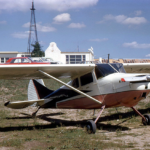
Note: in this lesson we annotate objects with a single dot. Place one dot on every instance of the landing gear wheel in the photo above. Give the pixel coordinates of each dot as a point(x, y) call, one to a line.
point(91, 127)
point(147, 122)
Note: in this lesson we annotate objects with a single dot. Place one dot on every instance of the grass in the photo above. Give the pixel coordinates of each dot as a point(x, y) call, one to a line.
point(65, 129)
point(11, 143)
point(60, 139)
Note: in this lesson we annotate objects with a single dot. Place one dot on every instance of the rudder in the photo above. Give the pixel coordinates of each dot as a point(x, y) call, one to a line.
point(37, 89)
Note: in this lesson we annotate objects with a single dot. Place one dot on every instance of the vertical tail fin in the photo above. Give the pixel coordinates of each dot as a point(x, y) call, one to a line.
point(37, 89)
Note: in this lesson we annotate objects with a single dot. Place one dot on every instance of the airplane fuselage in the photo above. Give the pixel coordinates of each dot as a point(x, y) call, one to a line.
point(110, 90)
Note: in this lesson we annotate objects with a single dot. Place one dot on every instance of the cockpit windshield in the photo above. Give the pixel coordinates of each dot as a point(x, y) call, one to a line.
point(103, 70)
point(119, 67)
point(30, 59)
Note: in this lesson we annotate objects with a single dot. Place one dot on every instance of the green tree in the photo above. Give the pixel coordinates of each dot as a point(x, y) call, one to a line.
point(37, 51)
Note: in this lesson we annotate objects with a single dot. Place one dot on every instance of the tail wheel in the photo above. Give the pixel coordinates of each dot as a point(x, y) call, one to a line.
point(147, 122)
point(91, 127)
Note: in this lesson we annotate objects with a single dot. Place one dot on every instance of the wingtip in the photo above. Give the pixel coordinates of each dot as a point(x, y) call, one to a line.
point(6, 103)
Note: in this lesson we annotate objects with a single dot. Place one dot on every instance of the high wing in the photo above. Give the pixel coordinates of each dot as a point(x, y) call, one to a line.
point(32, 71)
point(44, 71)
point(137, 67)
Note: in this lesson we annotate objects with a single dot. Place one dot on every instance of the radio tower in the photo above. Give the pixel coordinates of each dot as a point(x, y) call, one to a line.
point(32, 38)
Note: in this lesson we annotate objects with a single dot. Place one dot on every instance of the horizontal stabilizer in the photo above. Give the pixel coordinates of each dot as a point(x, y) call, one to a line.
point(24, 104)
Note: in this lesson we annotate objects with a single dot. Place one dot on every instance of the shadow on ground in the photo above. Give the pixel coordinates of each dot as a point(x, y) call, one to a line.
point(28, 116)
point(55, 123)
point(127, 115)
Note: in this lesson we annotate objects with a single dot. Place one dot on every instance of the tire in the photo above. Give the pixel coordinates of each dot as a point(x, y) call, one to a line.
point(147, 122)
point(91, 127)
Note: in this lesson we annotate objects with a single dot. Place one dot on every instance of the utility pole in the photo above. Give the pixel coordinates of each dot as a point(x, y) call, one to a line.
point(108, 58)
point(32, 29)
point(78, 48)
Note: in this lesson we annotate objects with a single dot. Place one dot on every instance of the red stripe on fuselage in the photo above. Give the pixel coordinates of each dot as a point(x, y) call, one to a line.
point(128, 99)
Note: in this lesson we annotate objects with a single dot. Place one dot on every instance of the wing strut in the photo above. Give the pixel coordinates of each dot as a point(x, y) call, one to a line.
point(76, 90)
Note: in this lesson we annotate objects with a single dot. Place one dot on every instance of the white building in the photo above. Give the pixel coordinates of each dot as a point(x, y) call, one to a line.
point(5, 55)
point(55, 54)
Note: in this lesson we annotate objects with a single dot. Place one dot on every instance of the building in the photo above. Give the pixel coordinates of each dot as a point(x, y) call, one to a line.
point(125, 60)
point(5, 55)
point(55, 54)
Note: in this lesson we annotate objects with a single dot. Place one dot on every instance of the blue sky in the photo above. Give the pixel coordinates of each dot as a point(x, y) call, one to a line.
point(120, 28)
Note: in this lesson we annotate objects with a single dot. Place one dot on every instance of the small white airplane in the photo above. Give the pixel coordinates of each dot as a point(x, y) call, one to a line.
point(93, 86)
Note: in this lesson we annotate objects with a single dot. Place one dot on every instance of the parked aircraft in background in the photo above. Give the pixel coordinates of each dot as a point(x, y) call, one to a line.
point(92, 86)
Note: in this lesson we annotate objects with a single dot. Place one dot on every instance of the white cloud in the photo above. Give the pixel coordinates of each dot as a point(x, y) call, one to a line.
point(148, 55)
point(77, 25)
point(136, 45)
point(99, 40)
point(42, 42)
point(40, 27)
point(21, 35)
point(122, 19)
point(138, 12)
point(118, 19)
point(3, 22)
point(26, 25)
point(58, 5)
point(65, 17)
point(45, 28)
point(135, 20)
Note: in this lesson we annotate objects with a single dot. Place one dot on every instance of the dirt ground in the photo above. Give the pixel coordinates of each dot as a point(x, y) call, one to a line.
point(121, 125)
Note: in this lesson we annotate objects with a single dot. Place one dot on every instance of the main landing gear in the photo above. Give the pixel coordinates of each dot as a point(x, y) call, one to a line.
point(147, 122)
point(91, 125)
point(145, 118)
point(34, 114)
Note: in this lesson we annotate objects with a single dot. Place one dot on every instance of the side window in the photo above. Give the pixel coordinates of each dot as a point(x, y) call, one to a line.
point(17, 60)
point(67, 59)
point(13, 61)
point(98, 73)
point(7, 59)
point(2, 60)
point(84, 57)
point(86, 79)
point(75, 83)
point(24, 60)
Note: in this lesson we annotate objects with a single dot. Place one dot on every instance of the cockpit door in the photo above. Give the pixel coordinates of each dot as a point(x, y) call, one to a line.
point(88, 83)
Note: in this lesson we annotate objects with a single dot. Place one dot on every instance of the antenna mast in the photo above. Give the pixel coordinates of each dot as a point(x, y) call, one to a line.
point(32, 29)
